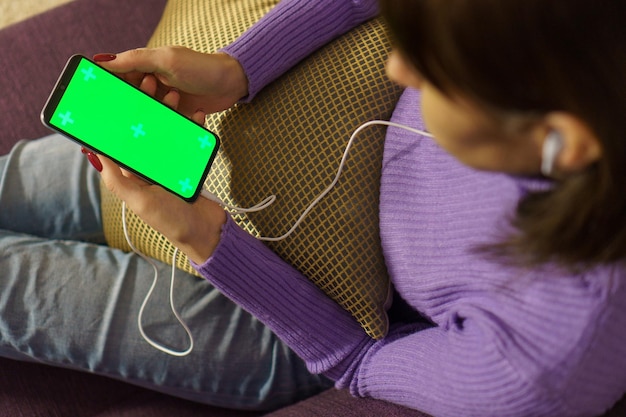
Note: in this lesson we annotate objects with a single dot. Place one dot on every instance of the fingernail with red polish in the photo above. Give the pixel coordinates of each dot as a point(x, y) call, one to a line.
point(93, 159)
point(83, 150)
point(104, 57)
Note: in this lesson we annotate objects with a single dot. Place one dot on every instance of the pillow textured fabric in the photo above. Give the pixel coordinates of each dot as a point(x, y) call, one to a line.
point(289, 142)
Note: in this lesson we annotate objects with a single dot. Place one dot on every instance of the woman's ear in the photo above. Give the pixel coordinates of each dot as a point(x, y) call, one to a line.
point(400, 71)
point(579, 147)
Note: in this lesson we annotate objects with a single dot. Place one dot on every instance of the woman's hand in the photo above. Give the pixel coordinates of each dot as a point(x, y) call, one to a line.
point(194, 228)
point(206, 82)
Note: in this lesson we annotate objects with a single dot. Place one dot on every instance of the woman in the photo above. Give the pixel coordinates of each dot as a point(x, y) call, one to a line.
point(503, 231)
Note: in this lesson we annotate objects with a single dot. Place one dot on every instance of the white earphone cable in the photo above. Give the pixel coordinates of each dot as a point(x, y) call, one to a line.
point(269, 200)
point(238, 210)
point(149, 294)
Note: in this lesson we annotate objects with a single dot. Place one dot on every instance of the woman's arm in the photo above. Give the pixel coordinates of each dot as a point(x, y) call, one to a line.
point(490, 356)
point(291, 31)
point(214, 82)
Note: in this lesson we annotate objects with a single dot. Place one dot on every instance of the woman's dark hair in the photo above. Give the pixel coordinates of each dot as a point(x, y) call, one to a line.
point(535, 57)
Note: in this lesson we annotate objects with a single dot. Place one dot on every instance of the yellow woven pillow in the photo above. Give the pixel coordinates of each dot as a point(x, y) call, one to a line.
point(289, 142)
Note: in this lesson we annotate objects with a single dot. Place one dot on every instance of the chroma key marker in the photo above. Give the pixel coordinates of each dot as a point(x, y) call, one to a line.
point(205, 142)
point(66, 118)
point(138, 130)
point(88, 74)
point(185, 185)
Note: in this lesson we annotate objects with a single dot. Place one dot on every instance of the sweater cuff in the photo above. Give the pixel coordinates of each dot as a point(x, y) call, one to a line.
point(312, 324)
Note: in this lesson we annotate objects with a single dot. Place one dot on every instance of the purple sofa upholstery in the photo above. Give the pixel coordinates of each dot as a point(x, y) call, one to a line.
point(32, 54)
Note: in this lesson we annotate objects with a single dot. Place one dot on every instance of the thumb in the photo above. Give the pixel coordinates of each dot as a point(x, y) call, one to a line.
point(123, 184)
point(132, 65)
point(140, 60)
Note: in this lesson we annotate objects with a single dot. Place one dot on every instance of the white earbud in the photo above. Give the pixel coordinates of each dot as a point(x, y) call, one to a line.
point(552, 146)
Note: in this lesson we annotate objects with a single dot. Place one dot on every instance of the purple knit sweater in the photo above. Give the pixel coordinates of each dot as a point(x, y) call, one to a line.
point(502, 342)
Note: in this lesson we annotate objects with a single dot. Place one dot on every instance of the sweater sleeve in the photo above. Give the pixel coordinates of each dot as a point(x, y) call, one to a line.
point(553, 350)
point(248, 272)
point(474, 363)
point(291, 31)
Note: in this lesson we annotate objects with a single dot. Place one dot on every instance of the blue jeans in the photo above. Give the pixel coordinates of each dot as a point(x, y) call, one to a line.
point(68, 300)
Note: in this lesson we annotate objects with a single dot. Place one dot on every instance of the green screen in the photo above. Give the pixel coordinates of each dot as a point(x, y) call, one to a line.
point(115, 119)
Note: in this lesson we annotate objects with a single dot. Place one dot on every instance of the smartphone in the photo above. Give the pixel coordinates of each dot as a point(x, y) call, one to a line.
point(110, 116)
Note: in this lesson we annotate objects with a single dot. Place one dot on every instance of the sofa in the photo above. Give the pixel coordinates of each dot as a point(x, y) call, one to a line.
point(33, 52)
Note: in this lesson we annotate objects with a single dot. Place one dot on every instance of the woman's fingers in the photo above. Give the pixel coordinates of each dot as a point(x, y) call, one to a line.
point(199, 117)
point(141, 60)
point(172, 98)
point(148, 85)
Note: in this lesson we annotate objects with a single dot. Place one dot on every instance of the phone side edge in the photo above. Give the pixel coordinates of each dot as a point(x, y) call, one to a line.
point(46, 112)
